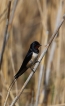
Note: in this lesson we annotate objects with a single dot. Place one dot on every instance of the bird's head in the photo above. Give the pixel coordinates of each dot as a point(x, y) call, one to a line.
point(35, 45)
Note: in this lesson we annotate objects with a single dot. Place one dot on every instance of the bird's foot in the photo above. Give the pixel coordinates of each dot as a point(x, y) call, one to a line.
point(37, 62)
point(33, 70)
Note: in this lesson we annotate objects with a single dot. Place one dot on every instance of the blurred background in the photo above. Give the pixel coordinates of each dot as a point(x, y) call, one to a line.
point(34, 20)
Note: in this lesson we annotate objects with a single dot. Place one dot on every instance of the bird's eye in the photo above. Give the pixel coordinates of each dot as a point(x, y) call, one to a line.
point(37, 46)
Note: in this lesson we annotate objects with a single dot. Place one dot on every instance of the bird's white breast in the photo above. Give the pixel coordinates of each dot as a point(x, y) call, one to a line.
point(33, 59)
point(34, 55)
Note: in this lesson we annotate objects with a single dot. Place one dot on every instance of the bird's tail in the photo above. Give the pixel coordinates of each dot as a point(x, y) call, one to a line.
point(20, 72)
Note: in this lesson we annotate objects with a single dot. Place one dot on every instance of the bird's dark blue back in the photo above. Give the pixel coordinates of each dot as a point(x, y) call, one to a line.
point(23, 68)
point(27, 58)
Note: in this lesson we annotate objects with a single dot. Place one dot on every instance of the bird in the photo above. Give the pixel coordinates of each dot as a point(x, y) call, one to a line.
point(30, 58)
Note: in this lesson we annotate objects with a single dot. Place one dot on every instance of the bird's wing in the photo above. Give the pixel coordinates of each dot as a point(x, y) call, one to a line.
point(24, 67)
point(27, 58)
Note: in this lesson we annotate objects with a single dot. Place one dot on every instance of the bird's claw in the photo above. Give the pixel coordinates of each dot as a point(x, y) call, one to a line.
point(33, 70)
point(37, 61)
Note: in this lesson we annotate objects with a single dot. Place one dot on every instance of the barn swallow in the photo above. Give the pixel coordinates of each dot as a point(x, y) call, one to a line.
point(30, 59)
